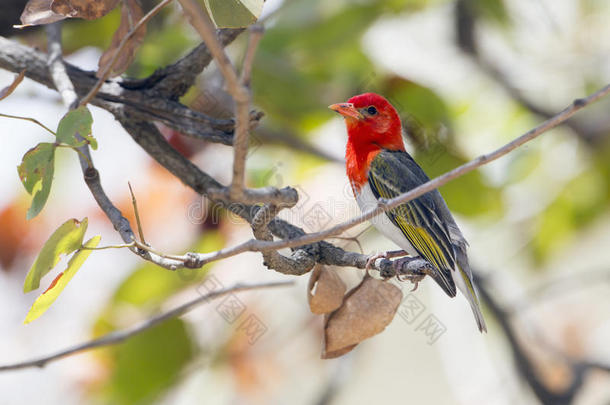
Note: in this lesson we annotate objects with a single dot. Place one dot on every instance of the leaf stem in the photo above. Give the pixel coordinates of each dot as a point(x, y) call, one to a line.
point(137, 214)
point(125, 245)
point(34, 120)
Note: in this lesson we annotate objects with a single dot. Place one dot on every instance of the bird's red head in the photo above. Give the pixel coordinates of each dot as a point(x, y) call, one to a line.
point(372, 125)
point(371, 122)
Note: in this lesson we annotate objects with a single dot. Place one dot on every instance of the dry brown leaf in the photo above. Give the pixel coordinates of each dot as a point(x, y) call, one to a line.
point(5, 92)
point(336, 353)
point(87, 9)
point(325, 290)
point(366, 311)
point(131, 13)
point(38, 12)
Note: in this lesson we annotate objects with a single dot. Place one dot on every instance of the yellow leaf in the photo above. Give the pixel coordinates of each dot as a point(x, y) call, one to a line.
point(44, 301)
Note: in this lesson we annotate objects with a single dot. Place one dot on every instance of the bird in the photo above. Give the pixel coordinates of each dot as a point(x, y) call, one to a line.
point(379, 168)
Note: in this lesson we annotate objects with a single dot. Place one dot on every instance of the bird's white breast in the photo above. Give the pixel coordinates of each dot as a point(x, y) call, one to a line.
point(367, 201)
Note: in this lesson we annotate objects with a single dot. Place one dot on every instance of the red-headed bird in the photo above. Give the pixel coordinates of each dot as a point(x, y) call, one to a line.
point(378, 167)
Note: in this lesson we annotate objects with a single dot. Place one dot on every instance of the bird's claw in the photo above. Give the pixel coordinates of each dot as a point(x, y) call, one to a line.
point(412, 277)
point(370, 262)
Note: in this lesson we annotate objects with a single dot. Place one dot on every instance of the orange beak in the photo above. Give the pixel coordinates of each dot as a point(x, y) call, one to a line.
point(347, 110)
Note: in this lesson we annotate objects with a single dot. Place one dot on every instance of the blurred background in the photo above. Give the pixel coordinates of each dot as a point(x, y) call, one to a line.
point(467, 76)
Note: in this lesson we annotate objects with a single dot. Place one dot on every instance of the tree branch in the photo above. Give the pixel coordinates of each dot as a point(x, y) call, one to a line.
point(115, 95)
point(107, 69)
point(148, 137)
point(299, 262)
point(91, 175)
point(114, 338)
point(384, 206)
point(174, 80)
point(200, 20)
point(13, 57)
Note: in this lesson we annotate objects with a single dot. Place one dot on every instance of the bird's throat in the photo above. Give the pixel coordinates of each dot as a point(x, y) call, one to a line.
point(358, 160)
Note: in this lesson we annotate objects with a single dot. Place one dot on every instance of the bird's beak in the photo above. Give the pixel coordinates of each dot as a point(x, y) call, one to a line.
point(347, 110)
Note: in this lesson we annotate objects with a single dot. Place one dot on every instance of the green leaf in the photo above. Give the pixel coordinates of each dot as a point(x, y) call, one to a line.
point(77, 121)
point(65, 240)
point(44, 301)
point(36, 174)
point(234, 13)
point(148, 364)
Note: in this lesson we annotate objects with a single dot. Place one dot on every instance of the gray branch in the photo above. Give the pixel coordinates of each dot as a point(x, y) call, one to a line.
point(62, 82)
point(116, 95)
point(114, 338)
point(174, 80)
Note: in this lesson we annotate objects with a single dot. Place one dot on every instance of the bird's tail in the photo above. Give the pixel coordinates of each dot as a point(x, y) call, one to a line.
point(467, 288)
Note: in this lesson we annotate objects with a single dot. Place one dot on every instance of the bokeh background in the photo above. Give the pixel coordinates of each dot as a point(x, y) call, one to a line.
point(466, 77)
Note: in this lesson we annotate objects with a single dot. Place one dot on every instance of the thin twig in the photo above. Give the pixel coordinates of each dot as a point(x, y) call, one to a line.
point(120, 96)
point(355, 238)
point(384, 206)
point(298, 263)
point(254, 245)
point(121, 246)
point(122, 335)
point(35, 121)
point(156, 146)
point(7, 91)
point(146, 247)
point(137, 214)
point(201, 21)
point(174, 80)
point(65, 87)
point(108, 68)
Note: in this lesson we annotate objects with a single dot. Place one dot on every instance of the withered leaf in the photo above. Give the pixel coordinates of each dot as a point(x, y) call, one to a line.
point(366, 311)
point(5, 92)
point(87, 9)
point(337, 353)
point(325, 290)
point(38, 12)
point(131, 13)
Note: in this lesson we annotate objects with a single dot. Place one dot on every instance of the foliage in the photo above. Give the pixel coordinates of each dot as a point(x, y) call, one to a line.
point(38, 164)
point(36, 174)
point(44, 301)
point(312, 55)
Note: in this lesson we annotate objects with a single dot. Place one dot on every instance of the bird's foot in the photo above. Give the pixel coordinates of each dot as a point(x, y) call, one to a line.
point(383, 255)
point(370, 262)
point(414, 278)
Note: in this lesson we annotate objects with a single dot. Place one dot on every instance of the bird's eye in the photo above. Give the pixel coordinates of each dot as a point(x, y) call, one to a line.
point(371, 110)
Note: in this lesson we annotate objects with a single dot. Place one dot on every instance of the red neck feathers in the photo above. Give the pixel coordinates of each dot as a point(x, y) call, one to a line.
point(375, 125)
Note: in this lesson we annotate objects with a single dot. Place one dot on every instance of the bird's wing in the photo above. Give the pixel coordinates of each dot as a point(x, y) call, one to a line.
point(420, 220)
